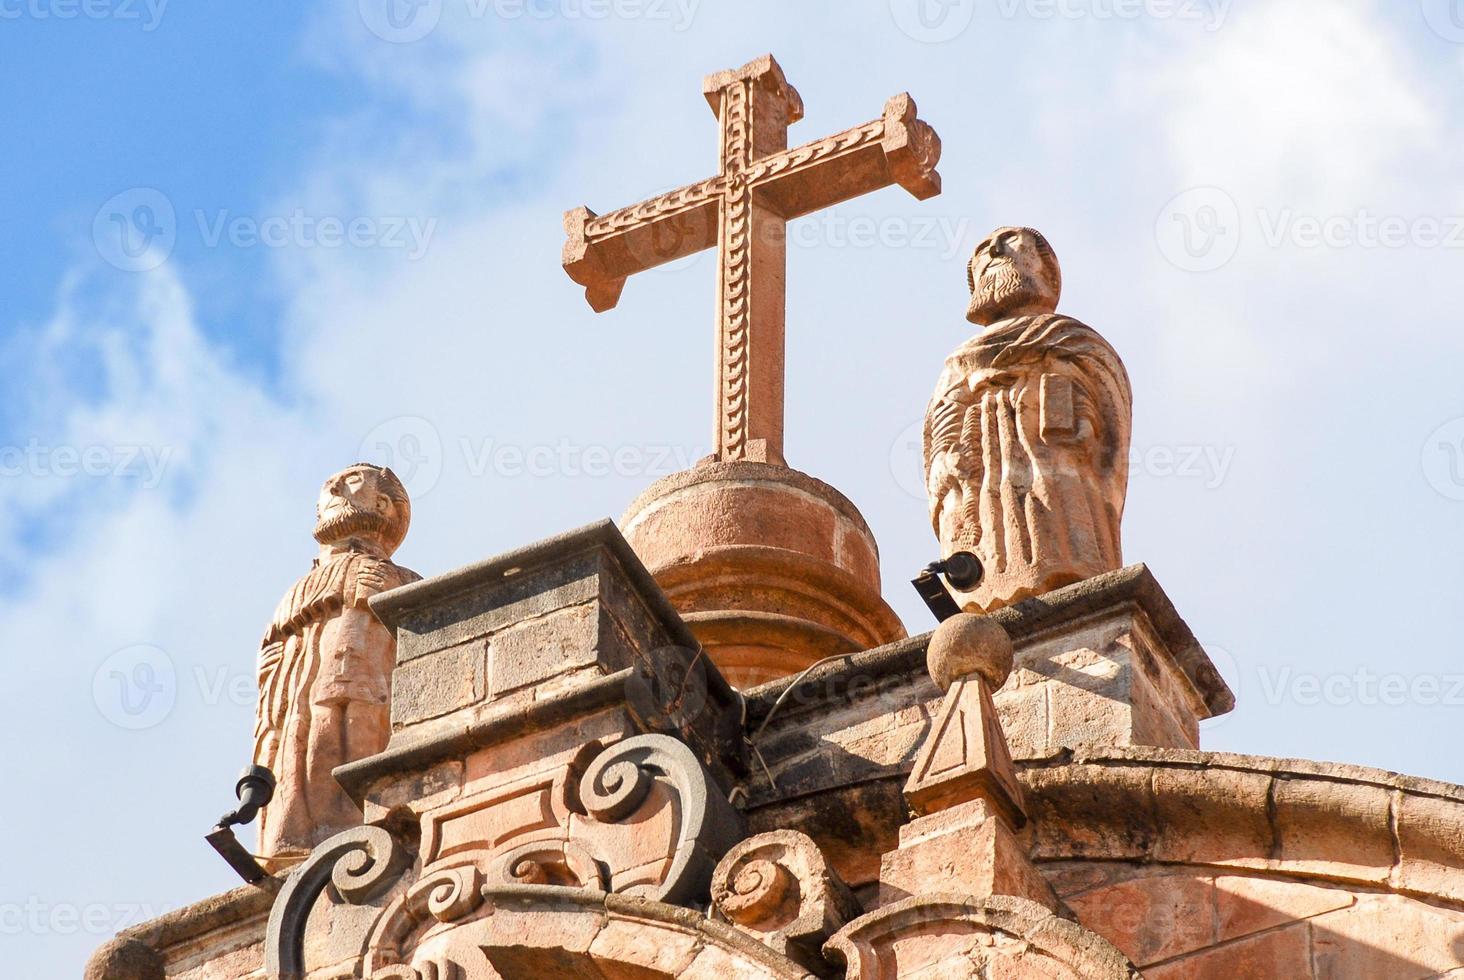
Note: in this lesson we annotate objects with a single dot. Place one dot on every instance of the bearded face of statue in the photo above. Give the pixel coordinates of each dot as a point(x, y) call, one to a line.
point(1013, 272)
point(365, 502)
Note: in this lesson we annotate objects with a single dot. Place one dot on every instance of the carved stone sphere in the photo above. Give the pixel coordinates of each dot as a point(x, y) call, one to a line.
point(969, 644)
point(125, 959)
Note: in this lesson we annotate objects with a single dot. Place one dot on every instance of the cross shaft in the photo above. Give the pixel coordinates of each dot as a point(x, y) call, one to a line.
point(743, 211)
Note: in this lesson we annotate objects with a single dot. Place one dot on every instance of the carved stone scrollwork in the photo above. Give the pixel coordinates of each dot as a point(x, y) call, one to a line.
point(449, 894)
point(778, 888)
point(360, 863)
point(618, 783)
point(553, 862)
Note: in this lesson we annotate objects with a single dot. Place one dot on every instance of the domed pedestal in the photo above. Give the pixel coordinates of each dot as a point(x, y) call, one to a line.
point(772, 569)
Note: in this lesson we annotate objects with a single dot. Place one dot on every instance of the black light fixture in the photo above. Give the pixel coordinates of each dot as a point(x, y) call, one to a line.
point(254, 789)
point(962, 570)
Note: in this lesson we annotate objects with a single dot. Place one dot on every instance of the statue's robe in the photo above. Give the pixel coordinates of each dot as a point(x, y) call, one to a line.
point(1026, 448)
point(324, 696)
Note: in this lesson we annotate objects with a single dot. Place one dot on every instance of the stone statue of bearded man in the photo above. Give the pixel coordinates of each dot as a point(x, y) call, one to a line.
point(1027, 437)
point(326, 663)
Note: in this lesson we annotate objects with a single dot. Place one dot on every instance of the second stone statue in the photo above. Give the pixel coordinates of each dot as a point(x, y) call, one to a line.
point(1027, 437)
point(326, 662)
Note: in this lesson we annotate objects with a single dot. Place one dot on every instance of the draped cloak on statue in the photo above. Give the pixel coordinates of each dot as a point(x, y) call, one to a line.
point(324, 652)
point(1026, 447)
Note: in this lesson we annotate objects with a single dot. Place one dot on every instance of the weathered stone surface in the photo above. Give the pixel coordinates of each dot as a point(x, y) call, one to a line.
point(1247, 905)
point(1430, 840)
point(1026, 438)
point(772, 569)
point(537, 639)
point(1331, 828)
point(325, 666)
point(125, 959)
point(1285, 953)
point(439, 683)
point(1152, 918)
point(777, 888)
point(1106, 661)
point(954, 936)
point(966, 849)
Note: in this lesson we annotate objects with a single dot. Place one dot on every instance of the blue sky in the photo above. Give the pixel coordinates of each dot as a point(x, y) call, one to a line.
point(343, 241)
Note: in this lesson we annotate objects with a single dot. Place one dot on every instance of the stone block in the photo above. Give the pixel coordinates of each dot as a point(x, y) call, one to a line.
point(1244, 905)
point(1387, 936)
point(1152, 918)
point(965, 850)
point(1285, 953)
point(578, 605)
point(1430, 845)
point(1220, 819)
point(1333, 829)
point(438, 683)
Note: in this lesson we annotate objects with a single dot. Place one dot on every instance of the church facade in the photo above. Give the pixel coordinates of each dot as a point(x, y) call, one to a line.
point(698, 743)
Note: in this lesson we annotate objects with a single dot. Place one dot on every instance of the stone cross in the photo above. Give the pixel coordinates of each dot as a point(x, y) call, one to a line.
point(743, 211)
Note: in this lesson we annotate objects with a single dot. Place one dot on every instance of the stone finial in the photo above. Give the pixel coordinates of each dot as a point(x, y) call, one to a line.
point(1026, 438)
point(125, 959)
point(326, 662)
point(963, 787)
point(777, 888)
point(965, 645)
point(965, 756)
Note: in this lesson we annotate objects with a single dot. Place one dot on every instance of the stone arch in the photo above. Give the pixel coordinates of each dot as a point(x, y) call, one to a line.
point(584, 934)
point(994, 937)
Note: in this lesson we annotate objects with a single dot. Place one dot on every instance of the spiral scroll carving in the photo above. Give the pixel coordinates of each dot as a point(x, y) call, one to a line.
point(361, 863)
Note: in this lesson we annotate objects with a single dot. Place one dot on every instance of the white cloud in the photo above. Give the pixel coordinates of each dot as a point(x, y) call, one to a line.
point(1302, 101)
